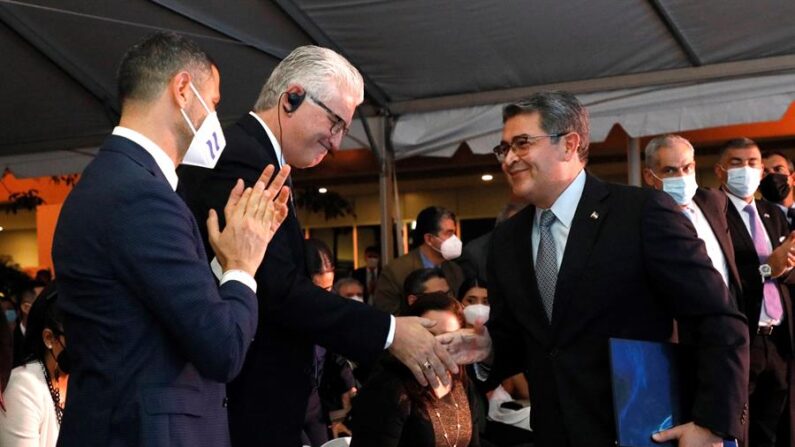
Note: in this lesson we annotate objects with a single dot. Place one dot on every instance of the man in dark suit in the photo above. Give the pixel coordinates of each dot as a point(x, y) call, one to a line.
point(368, 275)
point(763, 253)
point(303, 111)
point(778, 183)
point(151, 336)
point(671, 167)
point(589, 260)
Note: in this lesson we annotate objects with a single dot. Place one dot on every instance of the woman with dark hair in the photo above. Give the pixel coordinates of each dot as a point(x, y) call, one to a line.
point(36, 391)
point(393, 410)
point(319, 263)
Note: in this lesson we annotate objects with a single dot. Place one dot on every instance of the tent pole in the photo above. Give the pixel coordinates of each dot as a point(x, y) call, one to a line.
point(633, 161)
point(386, 191)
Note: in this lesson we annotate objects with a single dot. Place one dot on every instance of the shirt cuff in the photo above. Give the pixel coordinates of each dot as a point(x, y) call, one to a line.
point(391, 336)
point(232, 275)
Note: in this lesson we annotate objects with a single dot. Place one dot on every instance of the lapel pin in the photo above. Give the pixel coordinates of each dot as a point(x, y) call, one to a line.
point(767, 216)
point(594, 215)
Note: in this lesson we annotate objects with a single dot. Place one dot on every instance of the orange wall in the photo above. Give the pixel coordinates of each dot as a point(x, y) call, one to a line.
point(46, 218)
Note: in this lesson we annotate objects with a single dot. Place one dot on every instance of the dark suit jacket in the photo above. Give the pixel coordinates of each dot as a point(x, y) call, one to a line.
point(714, 205)
point(632, 264)
point(268, 400)
point(151, 335)
point(748, 263)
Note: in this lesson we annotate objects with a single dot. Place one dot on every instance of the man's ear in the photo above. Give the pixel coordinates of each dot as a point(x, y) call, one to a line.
point(572, 141)
point(648, 177)
point(178, 88)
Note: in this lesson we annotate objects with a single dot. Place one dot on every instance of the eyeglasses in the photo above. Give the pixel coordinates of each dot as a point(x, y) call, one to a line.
point(337, 123)
point(520, 145)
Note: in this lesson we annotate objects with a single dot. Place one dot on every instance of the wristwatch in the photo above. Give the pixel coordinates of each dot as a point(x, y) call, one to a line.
point(765, 271)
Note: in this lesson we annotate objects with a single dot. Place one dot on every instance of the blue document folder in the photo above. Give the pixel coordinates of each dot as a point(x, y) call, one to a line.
point(649, 391)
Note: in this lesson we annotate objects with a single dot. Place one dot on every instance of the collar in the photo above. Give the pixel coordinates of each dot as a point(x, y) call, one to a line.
point(426, 263)
point(274, 142)
point(161, 159)
point(738, 203)
point(566, 204)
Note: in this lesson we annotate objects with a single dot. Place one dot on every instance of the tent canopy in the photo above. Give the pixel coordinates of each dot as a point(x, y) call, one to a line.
point(442, 68)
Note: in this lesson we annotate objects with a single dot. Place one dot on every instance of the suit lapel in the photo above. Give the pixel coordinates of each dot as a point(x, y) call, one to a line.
point(591, 212)
point(770, 226)
point(715, 218)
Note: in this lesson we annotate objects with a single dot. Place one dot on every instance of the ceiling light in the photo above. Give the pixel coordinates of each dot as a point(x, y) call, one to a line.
point(322, 190)
point(487, 177)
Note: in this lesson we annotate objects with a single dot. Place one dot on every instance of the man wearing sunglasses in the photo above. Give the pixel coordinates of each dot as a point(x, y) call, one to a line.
point(589, 260)
point(302, 113)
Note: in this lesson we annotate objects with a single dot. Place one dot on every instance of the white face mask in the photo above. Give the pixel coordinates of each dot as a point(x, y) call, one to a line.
point(451, 248)
point(742, 182)
point(208, 141)
point(371, 262)
point(476, 313)
point(358, 298)
point(681, 189)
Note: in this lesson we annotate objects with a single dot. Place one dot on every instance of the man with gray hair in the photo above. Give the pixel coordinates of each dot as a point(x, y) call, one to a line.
point(302, 113)
point(587, 261)
point(671, 167)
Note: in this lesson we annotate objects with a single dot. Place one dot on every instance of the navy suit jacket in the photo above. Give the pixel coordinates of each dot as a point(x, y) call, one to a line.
point(268, 401)
point(632, 265)
point(151, 335)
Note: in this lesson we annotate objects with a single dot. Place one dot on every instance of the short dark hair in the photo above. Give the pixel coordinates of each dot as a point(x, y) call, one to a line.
point(373, 249)
point(737, 143)
point(439, 301)
point(560, 112)
point(429, 222)
point(468, 284)
point(149, 65)
point(415, 281)
point(768, 153)
point(318, 257)
point(44, 314)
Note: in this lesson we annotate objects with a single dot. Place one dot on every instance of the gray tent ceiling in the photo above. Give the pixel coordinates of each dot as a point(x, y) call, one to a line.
point(420, 59)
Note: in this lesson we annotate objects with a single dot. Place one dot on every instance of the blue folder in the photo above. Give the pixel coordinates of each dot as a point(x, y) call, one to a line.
point(649, 391)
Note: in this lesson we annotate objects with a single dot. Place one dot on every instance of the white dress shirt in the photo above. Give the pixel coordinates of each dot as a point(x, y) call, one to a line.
point(705, 233)
point(169, 170)
point(764, 318)
point(564, 208)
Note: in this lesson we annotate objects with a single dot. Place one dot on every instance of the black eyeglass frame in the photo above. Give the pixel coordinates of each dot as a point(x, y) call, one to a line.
point(338, 124)
point(501, 150)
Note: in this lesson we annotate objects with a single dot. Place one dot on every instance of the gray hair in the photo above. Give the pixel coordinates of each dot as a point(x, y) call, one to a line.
point(318, 70)
point(149, 65)
point(662, 141)
point(560, 112)
point(344, 282)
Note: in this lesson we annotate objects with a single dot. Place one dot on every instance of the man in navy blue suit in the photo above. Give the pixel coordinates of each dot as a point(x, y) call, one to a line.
point(152, 337)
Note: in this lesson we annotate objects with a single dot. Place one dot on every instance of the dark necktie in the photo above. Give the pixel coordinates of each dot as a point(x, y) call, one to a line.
point(772, 299)
point(546, 262)
point(791, 218)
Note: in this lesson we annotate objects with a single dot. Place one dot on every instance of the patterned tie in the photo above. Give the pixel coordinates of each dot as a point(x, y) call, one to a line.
point(547, 262)
point(770, 290)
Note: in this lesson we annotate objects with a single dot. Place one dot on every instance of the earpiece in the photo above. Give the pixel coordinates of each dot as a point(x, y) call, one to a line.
point(295, 100)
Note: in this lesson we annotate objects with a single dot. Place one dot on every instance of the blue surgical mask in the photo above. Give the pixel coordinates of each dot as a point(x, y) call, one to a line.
point(681, 189)
point(11, 315)
point(742, 182)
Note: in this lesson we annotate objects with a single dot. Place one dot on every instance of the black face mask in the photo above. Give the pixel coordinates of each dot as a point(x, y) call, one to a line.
point(63, 360)
point(774, 187)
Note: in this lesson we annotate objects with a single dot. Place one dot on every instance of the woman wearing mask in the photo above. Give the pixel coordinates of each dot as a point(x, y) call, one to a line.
point(36, 392)
point(393, 410)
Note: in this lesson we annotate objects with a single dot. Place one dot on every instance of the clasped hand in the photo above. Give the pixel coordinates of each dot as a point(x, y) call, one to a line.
point(253, 215)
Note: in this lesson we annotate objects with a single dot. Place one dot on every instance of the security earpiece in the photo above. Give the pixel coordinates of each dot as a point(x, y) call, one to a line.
point(294, 99)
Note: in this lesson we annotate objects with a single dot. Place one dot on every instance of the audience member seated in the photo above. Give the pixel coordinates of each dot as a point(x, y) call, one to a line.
point(394, 410)
point(368, 275)
point(333, 382)
point(23, 301)
point(36, 391)
point(349, 288)
point(423, 281)
point(508, 407)
point(434, 245)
